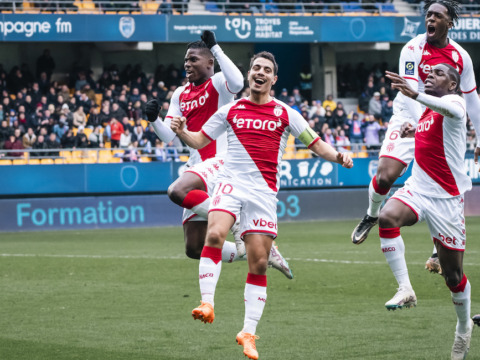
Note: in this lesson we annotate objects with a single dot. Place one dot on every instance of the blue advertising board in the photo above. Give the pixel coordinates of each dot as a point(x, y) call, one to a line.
point(61, 27)
point(156, 177)
point(257, 29)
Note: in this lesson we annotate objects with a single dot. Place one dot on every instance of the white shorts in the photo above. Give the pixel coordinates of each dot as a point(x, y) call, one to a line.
point(257, 211)
point(394, 146)
point(444, 216)
point(208, 171)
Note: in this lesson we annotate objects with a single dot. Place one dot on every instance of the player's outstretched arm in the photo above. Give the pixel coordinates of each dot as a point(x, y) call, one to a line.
point(231, 72)
point(327, 152)
point(195, 140)
point(402, 85)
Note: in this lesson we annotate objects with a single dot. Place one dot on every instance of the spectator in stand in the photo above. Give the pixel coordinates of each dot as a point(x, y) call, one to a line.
point(43, 82)
point(150, 136)
point(164, 109)
point(387, 110)
point(339, 117)
point(329, 116)
point(375, 104)
point(342, 141)
point(53, 143)
point(116, 129)
point(29, 139)
point(354, 126)
point(297, 96)
point(293, 105)
point(125, 138)
point(132, 155)
point(328, 136)
point(61, 127)
point(284, 96)
point(317, 109)
point(329, 102)
point(95, 139)
point(172, 153)
point(159, 152)
point(94, 118)
point(117, 112)
point(79, 117)
point(371, 129)
point(12, 116)
point(40, 144)
point(68, 140)
point(5, 132)
point(81, 140)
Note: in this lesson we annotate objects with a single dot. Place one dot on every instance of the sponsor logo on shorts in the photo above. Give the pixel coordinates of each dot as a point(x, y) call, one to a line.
point(448, 240)
point(409, 67)
point(390, 147)
point(265, 223)
point(203, 276)
point(388, 249)
point(216, 200)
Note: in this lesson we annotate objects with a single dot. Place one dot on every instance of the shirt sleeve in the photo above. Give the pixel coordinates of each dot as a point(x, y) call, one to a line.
point(452, 106)
point(233, 77)
point(467, 78)
point(162, 128)
point(217, 124)
point(408, 69)
point(301, 129)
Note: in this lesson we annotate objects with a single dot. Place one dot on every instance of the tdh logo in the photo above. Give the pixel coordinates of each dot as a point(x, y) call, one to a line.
point(241, 26)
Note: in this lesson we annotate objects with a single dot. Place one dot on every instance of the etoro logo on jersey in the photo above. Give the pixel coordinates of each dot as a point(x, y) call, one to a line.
point(256, 124)
point(192, 104)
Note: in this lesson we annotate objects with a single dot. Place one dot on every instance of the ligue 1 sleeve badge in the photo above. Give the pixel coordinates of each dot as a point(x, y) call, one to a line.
point(127, 26)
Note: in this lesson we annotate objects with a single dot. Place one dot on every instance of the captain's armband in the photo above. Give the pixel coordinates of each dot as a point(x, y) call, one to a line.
point(308, 137)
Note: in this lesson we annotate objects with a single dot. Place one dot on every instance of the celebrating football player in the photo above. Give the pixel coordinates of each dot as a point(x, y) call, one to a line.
point(417, 58)
point(204, 93)
point(257, 129)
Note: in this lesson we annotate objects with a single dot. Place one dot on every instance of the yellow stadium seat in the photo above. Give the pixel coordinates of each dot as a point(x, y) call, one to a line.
point(288, 156)
point(116, 160)
point(59, 161)
point(89, 161)
point(145, 159)
point(77, 154)
point(149, 6)
point(5, 162)
point(33, 161)
point(47, 162)
point(98, 99)
point(87, 131)
point(19, 161)
point(184, 158)
point(74, 130)
point(74, 160)
point(362, 154)
point(66, 154)
point(144, 124)
point(108, 145)
point(302, 154)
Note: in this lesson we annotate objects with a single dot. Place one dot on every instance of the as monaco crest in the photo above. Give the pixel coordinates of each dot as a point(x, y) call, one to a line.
point(455, 56)
point(127, 26)
point(278, 111)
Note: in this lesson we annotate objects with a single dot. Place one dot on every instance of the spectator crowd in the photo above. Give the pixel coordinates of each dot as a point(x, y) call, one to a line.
point(81, 113)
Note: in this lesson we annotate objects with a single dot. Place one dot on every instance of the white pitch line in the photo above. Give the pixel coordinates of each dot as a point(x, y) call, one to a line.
point(183, 257)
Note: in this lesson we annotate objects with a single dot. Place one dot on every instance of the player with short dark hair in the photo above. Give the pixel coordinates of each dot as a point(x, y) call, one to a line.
point(418, 56)
point(433, 193)
point(257, 129)
point(200, 98)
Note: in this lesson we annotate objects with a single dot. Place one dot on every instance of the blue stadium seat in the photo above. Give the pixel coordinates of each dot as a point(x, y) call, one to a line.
point(351, 7)
point(387, 7)
point(212, 6)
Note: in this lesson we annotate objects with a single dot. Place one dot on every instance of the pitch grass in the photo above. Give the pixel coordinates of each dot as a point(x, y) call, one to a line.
point(128, 294)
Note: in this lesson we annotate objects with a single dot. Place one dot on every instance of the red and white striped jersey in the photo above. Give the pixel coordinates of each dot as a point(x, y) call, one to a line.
point(418, 57)
point(257, 136)
point(440, 145)
point(197, 104)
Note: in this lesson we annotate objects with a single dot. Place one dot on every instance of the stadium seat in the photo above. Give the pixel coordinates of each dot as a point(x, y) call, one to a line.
point(77, 154)
point(145, 159)
point(74, 160)
point(60, 161)
point(5, 162)
point(92, 154)
point(87, 7)
point(87, 131)
point(302, 154)
point(144, 124)
point(47, 162)
point(19, 161)
point(98, 99)
point(66, 154)
point(212, 6)
point(387, 7)
point(288, 156)
point(33, 161)
point(104, 156)
point(116, 160)
point(184, 158)
point(149, 6)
